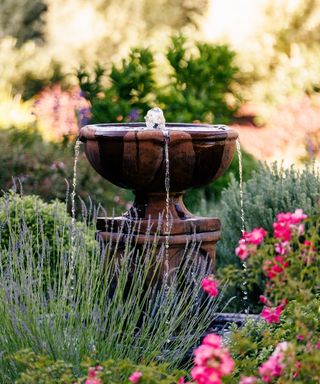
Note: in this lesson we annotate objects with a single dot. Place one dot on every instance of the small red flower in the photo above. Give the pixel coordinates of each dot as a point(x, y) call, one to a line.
point(272, 315)
point(210, 285)
point(264, 300)
point(273, 268)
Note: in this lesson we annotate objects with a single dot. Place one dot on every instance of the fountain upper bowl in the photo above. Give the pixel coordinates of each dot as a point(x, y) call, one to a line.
point(133, 157)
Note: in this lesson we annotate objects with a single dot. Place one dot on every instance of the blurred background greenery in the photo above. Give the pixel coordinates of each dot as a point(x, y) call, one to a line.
point(64, 63)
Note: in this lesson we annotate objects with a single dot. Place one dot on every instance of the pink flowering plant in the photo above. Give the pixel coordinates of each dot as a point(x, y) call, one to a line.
point(280, 265)
point(283, 345)
point(283, 270)
point(43, 369)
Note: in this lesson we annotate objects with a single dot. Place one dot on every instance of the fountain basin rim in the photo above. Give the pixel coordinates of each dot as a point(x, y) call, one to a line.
point(119, 130)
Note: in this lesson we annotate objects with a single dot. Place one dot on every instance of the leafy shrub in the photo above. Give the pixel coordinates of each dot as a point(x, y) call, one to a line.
point(271, 189)
point(45, 168)
point(48, 223)
point(252, 345)
point(130, 93)
point(200, 86)
point(200, 83)
point(43, 368)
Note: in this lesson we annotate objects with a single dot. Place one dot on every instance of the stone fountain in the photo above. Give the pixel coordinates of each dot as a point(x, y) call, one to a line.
point(159, 161)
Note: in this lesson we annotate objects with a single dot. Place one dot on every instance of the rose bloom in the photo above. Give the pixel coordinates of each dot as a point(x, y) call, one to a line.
point(210, 285)
point(274, 267)
point(206, 375)
point(256, 236)
point(282, 231)
point(212, 361)
point(298, 216)
point(213, 340)
point(248, 380)
point(135, 377)
point(282, 248)
point(274, 366)
point(242, 250)
point(272, 315)
point(92, 379)
point(284, 217)
point(264, 300)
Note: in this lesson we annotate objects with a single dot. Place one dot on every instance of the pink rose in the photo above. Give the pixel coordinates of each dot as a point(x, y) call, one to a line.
point(298, 216)
point(213, 340)
point(92, 379)
point(206, 375)
point(242, 250)
point(135, 377)
point(256, 236)
point(210, 285)
point(248, 380)
point(272, 315)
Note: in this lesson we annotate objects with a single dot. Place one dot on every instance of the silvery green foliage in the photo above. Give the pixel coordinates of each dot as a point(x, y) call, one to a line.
point(272, 189)
point(89, 300)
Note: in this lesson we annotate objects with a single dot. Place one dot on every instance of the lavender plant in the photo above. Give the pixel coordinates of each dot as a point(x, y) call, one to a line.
point(91, 301)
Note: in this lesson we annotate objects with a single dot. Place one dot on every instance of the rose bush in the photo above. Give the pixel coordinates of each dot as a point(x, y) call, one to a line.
point(282, 347)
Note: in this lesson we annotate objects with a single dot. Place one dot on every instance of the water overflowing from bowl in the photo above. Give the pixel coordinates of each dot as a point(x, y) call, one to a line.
point(73, 214)
point(155, 120)
point(242, 216)
point(243, 228)
point(167, 187)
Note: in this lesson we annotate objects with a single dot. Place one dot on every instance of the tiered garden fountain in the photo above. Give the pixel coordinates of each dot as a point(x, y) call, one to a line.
point(159, 162)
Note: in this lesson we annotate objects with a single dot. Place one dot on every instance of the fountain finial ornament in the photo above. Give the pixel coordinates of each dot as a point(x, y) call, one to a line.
point(155, 119)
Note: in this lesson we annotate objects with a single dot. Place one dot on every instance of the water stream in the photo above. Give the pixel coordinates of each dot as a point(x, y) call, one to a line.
point(73, 214)
point(166, 136)
point(243, 228)
point(155, 120)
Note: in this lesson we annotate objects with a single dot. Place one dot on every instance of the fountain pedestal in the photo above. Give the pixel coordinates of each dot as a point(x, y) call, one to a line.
point(140, 159)
point(201, 234)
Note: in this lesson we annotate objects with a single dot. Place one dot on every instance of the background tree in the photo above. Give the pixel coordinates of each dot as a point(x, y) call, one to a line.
point(23, 19)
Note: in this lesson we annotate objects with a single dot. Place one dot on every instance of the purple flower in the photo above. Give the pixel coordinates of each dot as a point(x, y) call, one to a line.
point(133, 115)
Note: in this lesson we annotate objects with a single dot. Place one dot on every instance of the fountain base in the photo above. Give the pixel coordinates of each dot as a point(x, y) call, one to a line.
point(201, 233)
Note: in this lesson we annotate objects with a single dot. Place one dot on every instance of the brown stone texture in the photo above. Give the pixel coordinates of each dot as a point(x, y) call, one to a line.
point(133, 157)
